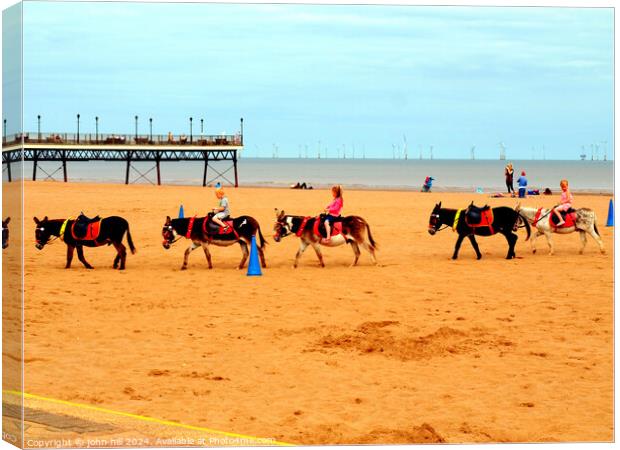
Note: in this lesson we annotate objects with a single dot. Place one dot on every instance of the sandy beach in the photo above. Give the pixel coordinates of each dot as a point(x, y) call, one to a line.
point(418, 349)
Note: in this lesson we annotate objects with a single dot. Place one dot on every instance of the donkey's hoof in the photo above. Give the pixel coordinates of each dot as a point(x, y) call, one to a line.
point(534, 251)
point(183, 268)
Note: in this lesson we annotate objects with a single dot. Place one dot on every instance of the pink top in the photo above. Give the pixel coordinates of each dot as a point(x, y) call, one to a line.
point(566, 199)
point(335, 207)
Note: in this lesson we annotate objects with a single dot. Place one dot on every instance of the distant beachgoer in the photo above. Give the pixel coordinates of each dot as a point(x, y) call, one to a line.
point(547, 191)
point(170, 137)
point(509, 173)
point(428, 184)
point(333, 211)
point(522, 185)
point(222, 211)
point(566, 200)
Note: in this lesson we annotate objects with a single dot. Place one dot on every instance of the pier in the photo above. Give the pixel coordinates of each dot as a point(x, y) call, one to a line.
point(71, 147)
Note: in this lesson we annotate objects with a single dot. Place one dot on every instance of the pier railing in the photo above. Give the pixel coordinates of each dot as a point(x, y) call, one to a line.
point(122, 139)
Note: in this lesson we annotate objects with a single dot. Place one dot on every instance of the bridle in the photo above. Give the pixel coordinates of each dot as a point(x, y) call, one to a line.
point(170, 229)
point(282, 230)
point(49, 239)
point(432, 223)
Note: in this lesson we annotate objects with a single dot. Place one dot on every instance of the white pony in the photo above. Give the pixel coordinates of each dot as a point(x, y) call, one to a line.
point(585, 222)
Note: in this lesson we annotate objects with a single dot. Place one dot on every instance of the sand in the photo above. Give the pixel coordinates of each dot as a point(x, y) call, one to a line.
point(418, 349)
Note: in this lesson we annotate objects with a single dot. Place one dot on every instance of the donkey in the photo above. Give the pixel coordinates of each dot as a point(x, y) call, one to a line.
point(584, 222)
point(202, 232)
point(352, 230)
point(502, 220)
point(109, 230)
point(5, 232)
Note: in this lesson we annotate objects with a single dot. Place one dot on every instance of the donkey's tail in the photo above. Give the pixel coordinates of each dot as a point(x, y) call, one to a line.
point(370, 238)
point(130, 241)
point(595, 227)
point(527, 225)
point(261, 238)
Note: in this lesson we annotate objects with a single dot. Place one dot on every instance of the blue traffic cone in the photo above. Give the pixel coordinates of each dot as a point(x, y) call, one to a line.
point(181, 213)
point(610, 214)
point(254, 264)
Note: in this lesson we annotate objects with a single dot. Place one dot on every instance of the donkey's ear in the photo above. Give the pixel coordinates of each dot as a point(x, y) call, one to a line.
point(7, 220)
point(277, 212)
point(518, 206)
point(439, 204)
point(36, 220)
point(168, 220)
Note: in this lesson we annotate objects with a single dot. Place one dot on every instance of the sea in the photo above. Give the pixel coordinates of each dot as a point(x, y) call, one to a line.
point(450, 175)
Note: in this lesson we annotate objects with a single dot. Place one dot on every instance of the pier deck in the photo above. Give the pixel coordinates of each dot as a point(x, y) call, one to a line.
point(65, 148)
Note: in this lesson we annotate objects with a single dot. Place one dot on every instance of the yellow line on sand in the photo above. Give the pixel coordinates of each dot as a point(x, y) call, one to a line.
point(145, 418)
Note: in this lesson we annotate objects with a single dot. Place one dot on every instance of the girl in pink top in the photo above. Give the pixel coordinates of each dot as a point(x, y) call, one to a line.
point(566, 201)
point(333, 210)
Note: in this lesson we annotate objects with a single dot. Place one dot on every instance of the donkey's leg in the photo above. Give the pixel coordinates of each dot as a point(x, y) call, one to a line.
point(319, 254)
point(117, 259)
point(356, 252)
point(122, 252)
point(246, 253)
point(549, 241)
point(457, 246)
point(474, 244)
point(261, 255)
point(582, 236)
point(512, 241)
point(70, 249)
point(302, 248)
point(370, 249)
point(80, 253)
point(193, 246)
point(597, 238)
point(205, 247)
point(533, 237)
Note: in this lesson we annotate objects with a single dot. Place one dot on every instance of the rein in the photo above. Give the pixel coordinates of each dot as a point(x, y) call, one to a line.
point(302, 226)
point(190, 227)
point(537, 218)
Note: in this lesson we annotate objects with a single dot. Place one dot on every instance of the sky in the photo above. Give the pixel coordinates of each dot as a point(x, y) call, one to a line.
point(373, 79)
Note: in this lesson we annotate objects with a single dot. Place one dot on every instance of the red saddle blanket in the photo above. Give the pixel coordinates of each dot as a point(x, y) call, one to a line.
point(212, 229)
point(486, 219)
point(92, 231)
point(569, 220)
point(336, 227)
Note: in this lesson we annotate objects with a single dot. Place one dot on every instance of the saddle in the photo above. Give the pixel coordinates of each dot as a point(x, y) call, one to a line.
point(569, 217)
point(319, 226)
point(86, 228)
point(211, 228)
point(476, 217)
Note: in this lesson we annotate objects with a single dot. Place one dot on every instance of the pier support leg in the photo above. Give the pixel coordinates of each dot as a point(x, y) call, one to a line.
point(128, 166)
point(204, 175)
point(158, 172)
point(34, 165)
point(64, 165)
point(8, 168)
point(236, 174)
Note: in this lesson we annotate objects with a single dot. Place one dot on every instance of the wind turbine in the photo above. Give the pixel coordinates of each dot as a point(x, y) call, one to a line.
point(420, 147)
point(393, 151)
point(319, 151)
point(473, 152)
point(431, 152)
point(405, 146)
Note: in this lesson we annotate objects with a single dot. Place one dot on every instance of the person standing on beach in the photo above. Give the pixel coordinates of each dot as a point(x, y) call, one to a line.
point(509, 173)
point(333, 210)
point(566, 201)
point(522, 185)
